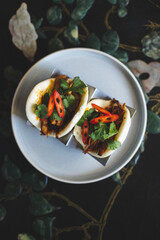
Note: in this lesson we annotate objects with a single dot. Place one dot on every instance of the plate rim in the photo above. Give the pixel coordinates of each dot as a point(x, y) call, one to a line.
point(140, 139)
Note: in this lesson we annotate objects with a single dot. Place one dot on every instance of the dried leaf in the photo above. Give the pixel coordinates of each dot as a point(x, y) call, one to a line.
point(23, 32)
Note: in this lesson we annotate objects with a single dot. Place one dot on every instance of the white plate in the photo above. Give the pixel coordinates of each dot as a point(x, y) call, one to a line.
point(49, 155)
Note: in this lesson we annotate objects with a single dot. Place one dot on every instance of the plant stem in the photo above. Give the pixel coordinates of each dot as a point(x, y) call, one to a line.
point(70, 203)
point(130, 48)
point(106, 20)
point(111, 201)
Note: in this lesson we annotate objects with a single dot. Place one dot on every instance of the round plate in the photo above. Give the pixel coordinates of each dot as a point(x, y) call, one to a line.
point(49, 155)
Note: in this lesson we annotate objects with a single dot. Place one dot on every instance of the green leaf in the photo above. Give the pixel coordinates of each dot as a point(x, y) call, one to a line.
point(102, 131)
point(93, 42)
point(12, 75)
point(88, 115)
point(122, 12)
point(77, 86)
point(25, 236)
point(41, 111)
point(64, 84)
point(57, 1)
point(13, 189)
point(55, 115)
point(5, 127)
point(68, 1)
point(153, 122)
point(80, 11)
point(117, 178)
point(113, 144)
point(123, 3)
point(39, 205)
point(43, 226)
point(136, 157)
point(112, 1)
point(110, 41)
point(121, 55)
point(54, 15)
point(9, 170)
point(35, 179)
point(112, 129)
point(2, 212)
point(72, 34)
point(55, 44)
point(69, 101)
point(36, 22)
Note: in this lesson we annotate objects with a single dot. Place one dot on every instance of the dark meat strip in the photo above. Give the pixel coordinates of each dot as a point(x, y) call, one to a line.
point(102, 146)
point(91, 146)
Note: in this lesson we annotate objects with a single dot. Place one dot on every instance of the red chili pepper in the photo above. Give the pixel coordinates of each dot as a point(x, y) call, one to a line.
point(85, 132)
point(100, 109)
point(58, 103)
point(50, 107)
point(105, 119)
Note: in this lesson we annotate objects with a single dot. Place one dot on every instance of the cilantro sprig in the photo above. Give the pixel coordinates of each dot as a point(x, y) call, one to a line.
point(113, 144)
point(41, 111)
point(88, 115)
point(102, 131)
point(77, 86)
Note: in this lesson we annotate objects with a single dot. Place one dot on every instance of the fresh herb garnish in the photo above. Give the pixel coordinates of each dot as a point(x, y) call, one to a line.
point(69, 101)
point(102, 131)
point(41, 111)
point(55, 116)
point(64, 85)
point(88, 115)
point(77, 86)
point(113, 144)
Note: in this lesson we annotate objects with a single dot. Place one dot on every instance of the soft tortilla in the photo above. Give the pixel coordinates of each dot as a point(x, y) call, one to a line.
point(35, 98)
point(122, 133)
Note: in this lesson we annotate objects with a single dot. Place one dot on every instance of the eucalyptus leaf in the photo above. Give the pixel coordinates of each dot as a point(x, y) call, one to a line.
point(35, 179)
point(93, 41)
point(5, 127)
point(43, 226)
point(36, 22)
point(153, 122)
point(80, 11)
point(68, 1)
point(55, 44)
point(110, 41)
point(123, 3)
point(121, 55)
point(39, 205)
point(54, 15)
point(25, 236)
point(57, 1)
point(122, 12)
point(71, 33)
point(136, 157)
point(112, 1)
point(9, 170)
point(13, 189)
point(117, 178)
point(12, 75)
point(2, 212)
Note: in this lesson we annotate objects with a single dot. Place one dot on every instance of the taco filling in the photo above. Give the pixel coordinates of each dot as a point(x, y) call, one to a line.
point(57, 104)
point(99, 128)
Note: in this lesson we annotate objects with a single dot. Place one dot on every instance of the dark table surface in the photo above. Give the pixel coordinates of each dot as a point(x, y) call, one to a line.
point(101, 210)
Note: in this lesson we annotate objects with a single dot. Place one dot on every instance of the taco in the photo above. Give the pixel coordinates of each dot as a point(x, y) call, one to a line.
point(55, 105)
point(103, 127)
